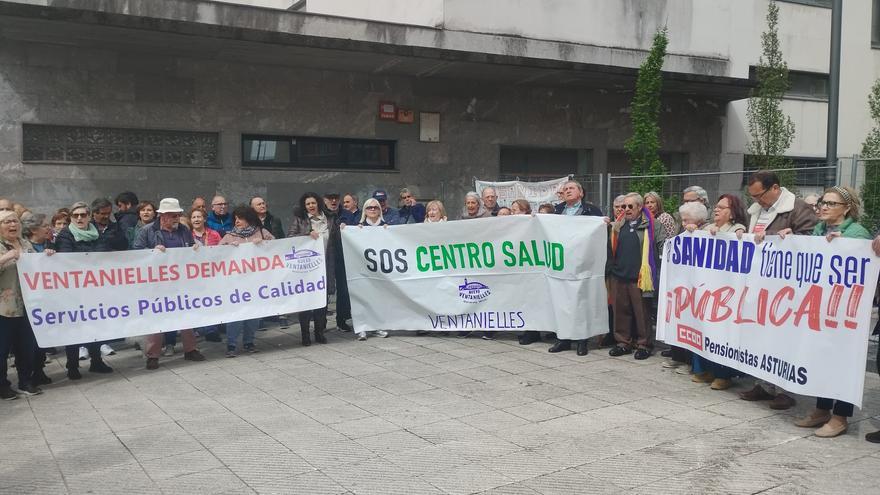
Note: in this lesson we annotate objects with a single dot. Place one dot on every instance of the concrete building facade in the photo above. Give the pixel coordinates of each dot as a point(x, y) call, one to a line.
point(185, 97)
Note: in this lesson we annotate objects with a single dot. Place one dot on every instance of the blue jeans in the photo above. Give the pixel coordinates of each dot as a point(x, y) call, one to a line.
point(702, 364)
point(234, 328)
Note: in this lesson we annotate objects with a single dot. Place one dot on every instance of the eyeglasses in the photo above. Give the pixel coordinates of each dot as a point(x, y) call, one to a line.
point(408, 196)
point(829, 204)
point(79, 215)
point(11, 221)
point(759, 196)
point(629, 207)
point(719, 207)
point(6, 209)
point(372, 207)
point(693, 200)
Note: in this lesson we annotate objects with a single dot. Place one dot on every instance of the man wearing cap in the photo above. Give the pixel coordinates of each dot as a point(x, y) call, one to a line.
point(167, 232)
point(391, 216)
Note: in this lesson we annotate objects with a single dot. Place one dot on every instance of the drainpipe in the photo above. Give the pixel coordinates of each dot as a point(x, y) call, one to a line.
point(834, 79)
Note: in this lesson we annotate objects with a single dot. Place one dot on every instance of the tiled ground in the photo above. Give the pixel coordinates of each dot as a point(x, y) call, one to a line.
point(416, 415)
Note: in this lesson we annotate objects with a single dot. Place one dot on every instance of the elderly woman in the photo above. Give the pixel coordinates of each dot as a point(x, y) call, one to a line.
point(310, 219)
point(838, 216)
point(36, 229)
point(694, 216)
point(200, 231)
point(146, 212)
point(729, 215)
point(246, 228)
point(654, 204)
point(435, 212)
point(473, 207)
point(81, 236)
point(372, 217)
point(16, 334)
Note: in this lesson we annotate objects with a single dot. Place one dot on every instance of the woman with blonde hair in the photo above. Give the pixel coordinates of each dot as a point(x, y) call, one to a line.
point(435, 212)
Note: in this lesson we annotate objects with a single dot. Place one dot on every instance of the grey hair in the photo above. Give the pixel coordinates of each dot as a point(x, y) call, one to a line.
point(638, 197)
point(618, 200)
point(31, 222)
point(78, 205)
point(694, 210)
point(701, 193)
point(101, 203)
point(474, 195)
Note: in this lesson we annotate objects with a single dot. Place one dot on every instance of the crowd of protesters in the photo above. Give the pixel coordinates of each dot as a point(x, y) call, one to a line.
point(638, 227)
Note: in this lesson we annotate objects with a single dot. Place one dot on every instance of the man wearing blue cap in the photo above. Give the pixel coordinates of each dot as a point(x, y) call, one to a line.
point(391, 216)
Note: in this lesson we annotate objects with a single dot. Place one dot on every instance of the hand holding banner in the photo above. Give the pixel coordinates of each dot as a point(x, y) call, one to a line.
point(73, 298)
point(795, 312)
point(543, 272)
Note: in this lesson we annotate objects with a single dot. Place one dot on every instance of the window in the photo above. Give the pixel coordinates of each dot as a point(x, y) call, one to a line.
point(112, 146)
point(519, 161)
point(816, 3)
point(802, 85)
point(875, 24)
point(311, 152)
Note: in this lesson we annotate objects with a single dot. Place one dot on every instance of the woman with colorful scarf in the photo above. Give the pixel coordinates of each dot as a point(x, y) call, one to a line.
point(635, 244)
point(246, 228)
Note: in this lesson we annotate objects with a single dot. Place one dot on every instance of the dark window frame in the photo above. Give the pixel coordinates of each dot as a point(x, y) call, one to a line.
point(822, 4)
point(295, 162)
point(875, 24)
point(790, 95)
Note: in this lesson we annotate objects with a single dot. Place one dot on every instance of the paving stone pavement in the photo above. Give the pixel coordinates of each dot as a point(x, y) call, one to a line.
point(416, 414)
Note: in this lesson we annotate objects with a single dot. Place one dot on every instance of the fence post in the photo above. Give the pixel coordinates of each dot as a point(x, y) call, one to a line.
point(854, 171)
point(608, 199)
point(601, 190)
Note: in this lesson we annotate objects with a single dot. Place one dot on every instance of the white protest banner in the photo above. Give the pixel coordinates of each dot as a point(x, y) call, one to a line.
point(85, 297)
point(795, 312)
point(536, 193)
point(515, 273)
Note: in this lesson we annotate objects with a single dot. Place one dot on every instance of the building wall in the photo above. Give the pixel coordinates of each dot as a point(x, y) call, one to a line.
point(51, 84)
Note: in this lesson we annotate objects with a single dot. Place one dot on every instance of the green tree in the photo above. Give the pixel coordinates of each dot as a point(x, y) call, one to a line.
point(643, 147)
point(771, 131)
point(871, 151)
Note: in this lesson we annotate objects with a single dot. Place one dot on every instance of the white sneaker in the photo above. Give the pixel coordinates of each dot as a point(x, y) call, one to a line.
point(362, 336)
point(83, 353)
point(380, 333)
point(169, 350)
point(106, 350)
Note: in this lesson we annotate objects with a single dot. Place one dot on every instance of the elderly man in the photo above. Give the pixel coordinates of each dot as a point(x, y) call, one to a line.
point(695, 193)
point(574, 204)
point(350, 214)
point(219, 218)
point(625, 245)
point(102, 210)
point(165, 233)
point(270, 222)
point(391, 216)
point(775, 210)
point(331, 203)
point(411, 211)
point(490, 201)
point(618, 206)
point(199, 203)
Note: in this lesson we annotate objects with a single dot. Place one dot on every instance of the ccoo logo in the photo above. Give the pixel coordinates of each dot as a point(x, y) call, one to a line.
point(690, 336)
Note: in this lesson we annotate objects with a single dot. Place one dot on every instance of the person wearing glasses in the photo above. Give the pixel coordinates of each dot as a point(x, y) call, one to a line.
point(82, 236)
point(219, 218)
point(635, 244)
point(490, 201)
point(775, 210)
point(389, 215)
point(695, 194)
point(372, 217)
point(838, 217)
point(411, 211)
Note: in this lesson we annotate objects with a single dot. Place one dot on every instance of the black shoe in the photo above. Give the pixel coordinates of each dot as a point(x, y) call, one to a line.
point(306, 338)
point(343, 327)
point(666, 353)
point(6, 393)
point(213, 337)
point(30, 390)
point(560, 345)
point(100, 367)
point(40, 378)
point(319, 337)
point(619, 351)
point(529, 337)
point(642, 354)
point(73, 373)
point(873, 437)
point(582, 348)
point(193, 355)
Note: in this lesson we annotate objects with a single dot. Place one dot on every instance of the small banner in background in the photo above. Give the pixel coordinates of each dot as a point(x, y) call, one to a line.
point(536, 193)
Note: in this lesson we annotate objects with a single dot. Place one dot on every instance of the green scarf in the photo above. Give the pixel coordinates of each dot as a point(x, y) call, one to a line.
point(80, 235)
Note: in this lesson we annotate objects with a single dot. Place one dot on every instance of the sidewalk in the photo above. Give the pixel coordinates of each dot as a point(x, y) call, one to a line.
point(416, 415)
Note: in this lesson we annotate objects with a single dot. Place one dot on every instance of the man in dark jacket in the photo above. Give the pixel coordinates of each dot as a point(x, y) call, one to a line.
point(490, 200)
point(167, 232)
point(775, 210)
point(350, 213)
point(126, 215)
point(412, 211)
point(269, 221)
point(109, 231)
point(574, 204)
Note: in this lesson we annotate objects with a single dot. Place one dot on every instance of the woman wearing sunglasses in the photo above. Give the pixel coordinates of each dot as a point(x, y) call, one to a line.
point(838, 215)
